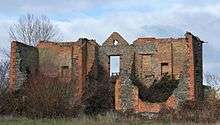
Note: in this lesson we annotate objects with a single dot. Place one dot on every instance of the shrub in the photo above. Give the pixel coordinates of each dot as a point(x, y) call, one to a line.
point(50, 97)
point(42, 96)
point(206, 111)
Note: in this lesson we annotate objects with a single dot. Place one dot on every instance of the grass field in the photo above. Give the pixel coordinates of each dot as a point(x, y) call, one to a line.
point(81, 121)
point(99, 120)
point(68, 122)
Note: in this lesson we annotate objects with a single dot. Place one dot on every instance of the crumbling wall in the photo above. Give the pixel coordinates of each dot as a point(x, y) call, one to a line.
point(194, 45)
point(142, 65)
point(167, 51)
point(180, 57)
point(126, 54)
point(23, 63)
point(181, 67)
point(53, 57)
point(70, 61)
point(198, 71)
point(182, 60)
point(144, 68)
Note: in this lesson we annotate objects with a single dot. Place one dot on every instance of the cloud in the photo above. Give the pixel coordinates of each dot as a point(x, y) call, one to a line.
point(49, 6)
point(4, 37)
point(101, 28)
point(203, 21)
point(162, 31)
point(96, 19)
point(65, 6)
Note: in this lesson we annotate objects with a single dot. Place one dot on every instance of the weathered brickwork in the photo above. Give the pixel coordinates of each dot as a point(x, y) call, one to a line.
point(142, 64)
point(146, 60)
point(24, 59)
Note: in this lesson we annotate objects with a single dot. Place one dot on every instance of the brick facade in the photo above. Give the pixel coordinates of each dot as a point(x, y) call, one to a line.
point(23, 59)
point(142, 63)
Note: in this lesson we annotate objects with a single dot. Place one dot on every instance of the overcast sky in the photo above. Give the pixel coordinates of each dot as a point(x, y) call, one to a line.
point(96, 19)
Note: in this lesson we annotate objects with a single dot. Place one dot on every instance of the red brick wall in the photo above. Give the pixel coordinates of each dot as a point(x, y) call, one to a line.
point(171, 51)
point(118, 95)
point(140, 106)
point(191, 69)
point(180, 55)
point(23, 60)
point(194, 45)
point(82, 58)
point(12, 68)
point(78, 56)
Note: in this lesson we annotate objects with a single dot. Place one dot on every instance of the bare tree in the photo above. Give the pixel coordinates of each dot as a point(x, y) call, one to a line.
point(4, 53)
point(213, 81)
point(4, 68)
point(31, 29)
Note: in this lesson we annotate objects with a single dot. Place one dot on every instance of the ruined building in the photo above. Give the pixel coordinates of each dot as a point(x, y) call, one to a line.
point(142, 66)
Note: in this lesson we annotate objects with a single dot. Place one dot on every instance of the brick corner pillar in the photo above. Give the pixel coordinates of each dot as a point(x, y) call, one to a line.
point(191, 67)
point(12, 66)
point(118, 95)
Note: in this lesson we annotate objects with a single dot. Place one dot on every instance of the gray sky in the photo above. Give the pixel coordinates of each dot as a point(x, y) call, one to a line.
point(132, 18)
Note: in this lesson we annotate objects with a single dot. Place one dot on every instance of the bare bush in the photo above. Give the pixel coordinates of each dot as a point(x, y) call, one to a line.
point(43, 97)
point(50, 97)
point(207, 111)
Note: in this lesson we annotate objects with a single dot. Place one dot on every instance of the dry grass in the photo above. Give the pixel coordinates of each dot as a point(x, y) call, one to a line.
point(108, 119)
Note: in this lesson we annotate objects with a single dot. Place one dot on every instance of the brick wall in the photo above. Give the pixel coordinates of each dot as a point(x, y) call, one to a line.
point(23, 62)
point(178, 56)
point(77, 58)
point(126, 54)
point(196, 67)
point(68, 61)
point(141, 64)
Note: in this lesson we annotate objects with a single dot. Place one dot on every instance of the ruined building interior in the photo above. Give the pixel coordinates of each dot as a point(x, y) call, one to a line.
point(137, 78)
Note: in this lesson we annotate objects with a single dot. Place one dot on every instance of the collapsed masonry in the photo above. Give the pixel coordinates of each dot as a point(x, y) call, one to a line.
point(142, 65)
